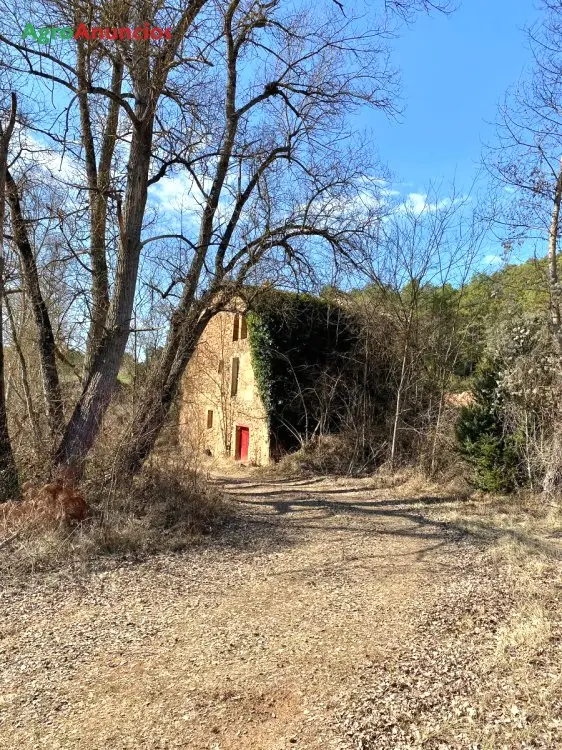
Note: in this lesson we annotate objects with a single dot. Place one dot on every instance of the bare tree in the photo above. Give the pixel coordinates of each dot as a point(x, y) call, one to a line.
point(246, 103)
point(45, 336)
point(99, 73)
point(528, 159)
point(8, 470)
point(278, 183)
point(425, 252)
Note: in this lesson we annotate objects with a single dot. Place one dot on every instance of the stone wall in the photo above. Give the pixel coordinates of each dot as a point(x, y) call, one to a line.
point(207, 387)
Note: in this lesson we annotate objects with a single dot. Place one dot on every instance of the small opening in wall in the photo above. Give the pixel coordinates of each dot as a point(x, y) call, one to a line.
point(243, 328)
point(236, 327)
point(209, 419)
point(234, 381)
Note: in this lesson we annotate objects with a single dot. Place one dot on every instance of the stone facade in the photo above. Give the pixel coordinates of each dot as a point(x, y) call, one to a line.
point(220, 413)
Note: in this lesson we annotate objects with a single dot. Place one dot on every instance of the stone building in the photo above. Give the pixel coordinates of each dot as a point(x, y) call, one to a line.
point(299, 342)
point(221, 411)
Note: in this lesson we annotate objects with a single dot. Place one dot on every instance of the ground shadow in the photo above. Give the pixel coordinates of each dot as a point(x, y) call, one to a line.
point(285, 512)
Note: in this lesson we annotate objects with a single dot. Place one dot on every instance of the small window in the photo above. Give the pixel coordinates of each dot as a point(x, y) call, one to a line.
point(221, 366)
point(234, 381)
point(244, 328)
point(209, 419)
point(236, 327)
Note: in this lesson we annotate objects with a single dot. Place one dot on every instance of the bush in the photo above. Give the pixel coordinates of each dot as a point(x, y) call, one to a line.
point(483, 438)
point(342, 454)
point(298, 343)
point(172, 506)
point(164, 509)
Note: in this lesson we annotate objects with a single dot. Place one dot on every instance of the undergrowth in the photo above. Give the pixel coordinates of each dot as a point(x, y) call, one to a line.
point(164, 509)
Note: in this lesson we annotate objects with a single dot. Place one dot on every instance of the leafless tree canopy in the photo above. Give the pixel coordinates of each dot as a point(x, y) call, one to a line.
point(149, 179)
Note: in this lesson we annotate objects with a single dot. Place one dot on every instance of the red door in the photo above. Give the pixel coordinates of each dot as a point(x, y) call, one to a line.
point(242, 443)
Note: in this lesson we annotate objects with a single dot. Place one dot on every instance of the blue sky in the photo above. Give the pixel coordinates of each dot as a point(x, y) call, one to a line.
point(455, 70)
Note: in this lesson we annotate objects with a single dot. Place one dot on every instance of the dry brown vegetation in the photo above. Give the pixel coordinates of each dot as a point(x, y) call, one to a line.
point(381, 612)
point(42, 508)
point(163, 509)
point(484, 668)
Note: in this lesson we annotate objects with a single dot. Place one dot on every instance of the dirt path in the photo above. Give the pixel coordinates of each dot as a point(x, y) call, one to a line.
point(252, 641)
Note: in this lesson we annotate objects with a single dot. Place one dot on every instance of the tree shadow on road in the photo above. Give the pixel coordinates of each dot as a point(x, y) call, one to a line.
point(281, 515)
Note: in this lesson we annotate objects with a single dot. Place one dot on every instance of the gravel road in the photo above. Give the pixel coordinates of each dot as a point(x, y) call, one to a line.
point(287, 629)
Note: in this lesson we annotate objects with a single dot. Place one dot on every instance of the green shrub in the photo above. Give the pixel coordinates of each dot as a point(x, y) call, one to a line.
point(484, 440)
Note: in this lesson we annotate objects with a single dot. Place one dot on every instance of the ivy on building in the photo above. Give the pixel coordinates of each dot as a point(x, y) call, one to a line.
point(297, 341)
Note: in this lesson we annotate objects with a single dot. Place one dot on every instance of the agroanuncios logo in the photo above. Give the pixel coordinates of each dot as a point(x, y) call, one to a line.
point(51, 33)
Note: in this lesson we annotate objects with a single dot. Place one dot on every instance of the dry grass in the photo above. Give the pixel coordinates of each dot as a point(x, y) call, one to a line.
point(427, 621)
point(335, 454)
point(483, 669)
point(521, 655)
point(526, 632)
point(162, 510)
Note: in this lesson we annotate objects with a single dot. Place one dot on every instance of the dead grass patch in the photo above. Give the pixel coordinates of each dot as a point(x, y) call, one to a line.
point(483, 671)
point(338, 454)
point(527, 632)
point(159, 511)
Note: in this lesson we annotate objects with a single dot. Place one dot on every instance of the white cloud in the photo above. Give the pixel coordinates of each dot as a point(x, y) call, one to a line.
point(34, 151)
point(418, 203)
point(493, 260)
point(178, 193)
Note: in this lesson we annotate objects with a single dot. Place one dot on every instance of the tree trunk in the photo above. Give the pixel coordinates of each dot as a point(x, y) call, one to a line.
point(45, 336)
point(25, 383)
point(161, 390)
point(436, 434)
point(552, 475)
point(398, 408)
point(554, 284)
point(9, 482)
point(99, 180)
point(85, 421)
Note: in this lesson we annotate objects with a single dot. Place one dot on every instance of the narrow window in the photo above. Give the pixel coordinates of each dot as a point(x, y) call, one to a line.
point(236, 327)
point(209, 418)
point(244, 328)
point(234, 381)
point(221, 366)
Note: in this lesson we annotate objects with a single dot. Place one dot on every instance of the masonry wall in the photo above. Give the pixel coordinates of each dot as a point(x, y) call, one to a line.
point(207, 387)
